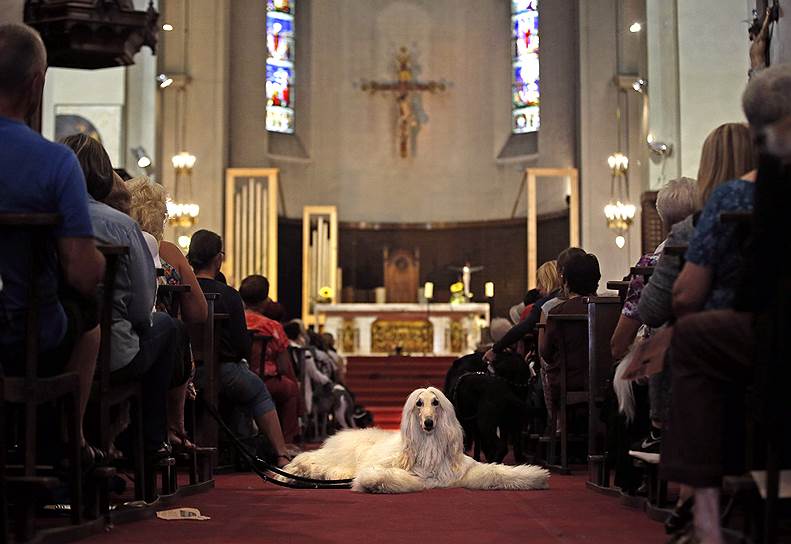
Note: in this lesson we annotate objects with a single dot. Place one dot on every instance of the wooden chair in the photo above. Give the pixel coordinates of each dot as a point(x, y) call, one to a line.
point(603, 316)
point(204, 338)
point(567, 325)
point(27, 481)
point(105, 394)
point(258, 351)
point(622, 286)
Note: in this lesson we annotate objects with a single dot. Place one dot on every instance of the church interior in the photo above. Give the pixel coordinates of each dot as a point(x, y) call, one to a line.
point(509, 265)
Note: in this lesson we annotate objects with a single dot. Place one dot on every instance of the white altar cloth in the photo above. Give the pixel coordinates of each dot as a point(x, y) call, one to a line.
point(471, 317)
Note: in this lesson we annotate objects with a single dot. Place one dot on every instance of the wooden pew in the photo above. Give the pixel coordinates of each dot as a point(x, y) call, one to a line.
point(30, 391)
point(622, 286)
point(568, 324)
point(205, 339)
point(603, 316)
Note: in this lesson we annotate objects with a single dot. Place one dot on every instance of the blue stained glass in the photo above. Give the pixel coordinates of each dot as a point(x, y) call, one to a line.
point(525, 66)
point(280, 38)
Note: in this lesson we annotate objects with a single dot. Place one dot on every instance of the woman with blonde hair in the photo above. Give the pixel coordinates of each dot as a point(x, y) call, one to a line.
point(149, 209)
point(547, 277)
point(727, 153)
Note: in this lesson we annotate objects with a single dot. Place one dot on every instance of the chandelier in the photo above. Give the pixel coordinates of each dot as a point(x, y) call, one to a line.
point(619, 211)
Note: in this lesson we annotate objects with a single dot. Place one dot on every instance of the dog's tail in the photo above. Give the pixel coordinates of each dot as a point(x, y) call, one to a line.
point(623, 389)
point(496, 476)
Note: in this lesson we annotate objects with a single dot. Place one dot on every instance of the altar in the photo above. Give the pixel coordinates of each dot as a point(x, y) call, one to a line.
point(404, 328)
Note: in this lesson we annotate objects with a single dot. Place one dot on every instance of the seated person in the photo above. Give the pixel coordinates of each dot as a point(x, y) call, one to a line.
point(713, 350)
point(313, 379)
point(580, 277)
point(552, 296)
point(337, 359)
point(148, 206)
point(143, 343)
point(37, 176)
point(278, 372)
point(237, 383)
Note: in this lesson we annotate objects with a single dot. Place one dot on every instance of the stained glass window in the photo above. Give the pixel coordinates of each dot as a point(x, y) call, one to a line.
point(524, 66)
point(280, 66)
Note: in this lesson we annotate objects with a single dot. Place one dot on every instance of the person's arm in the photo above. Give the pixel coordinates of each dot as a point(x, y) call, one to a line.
point(543, 339)
point(239, 337)
point(194, 308)
point(656, 302)
point(142, 279)
point(691, 289)
point(82, 264)
point(623, 336)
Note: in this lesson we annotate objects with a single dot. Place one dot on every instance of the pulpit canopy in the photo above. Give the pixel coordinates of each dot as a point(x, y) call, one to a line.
point(92, 34)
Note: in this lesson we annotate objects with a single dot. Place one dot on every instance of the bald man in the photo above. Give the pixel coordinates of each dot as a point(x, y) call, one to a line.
point(38, 176)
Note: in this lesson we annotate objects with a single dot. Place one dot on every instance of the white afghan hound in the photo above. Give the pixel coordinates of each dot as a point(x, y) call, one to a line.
point(427, 453)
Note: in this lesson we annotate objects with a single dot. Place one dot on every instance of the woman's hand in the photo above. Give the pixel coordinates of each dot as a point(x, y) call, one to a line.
point(489, 356)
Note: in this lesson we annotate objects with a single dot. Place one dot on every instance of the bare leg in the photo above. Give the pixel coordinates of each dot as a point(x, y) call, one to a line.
point(707, 515)
point(176, 398)
point(83, 362)
point(269, 424)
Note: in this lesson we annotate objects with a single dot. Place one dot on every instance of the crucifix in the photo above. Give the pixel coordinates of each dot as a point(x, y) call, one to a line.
point(403, 89)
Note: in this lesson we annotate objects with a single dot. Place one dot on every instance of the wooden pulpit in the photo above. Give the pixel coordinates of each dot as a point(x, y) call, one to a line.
point(402, 274)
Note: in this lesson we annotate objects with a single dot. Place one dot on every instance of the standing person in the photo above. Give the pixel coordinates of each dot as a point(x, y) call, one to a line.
point(237, 383)
point(38, 176)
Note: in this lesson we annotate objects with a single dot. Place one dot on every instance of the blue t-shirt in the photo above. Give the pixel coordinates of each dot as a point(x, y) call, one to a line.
point(36, 176)
point(715, 244)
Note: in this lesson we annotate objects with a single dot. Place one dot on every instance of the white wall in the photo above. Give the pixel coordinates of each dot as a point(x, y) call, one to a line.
point(712, 71)
point(350, 136)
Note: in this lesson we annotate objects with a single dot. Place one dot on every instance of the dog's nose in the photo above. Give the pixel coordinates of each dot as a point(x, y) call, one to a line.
point(429, 424)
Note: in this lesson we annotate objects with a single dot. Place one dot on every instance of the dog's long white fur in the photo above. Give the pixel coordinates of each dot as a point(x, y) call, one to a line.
point(413, 459)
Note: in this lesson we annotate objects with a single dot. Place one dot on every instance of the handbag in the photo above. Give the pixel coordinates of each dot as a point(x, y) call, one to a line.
point(648, 357)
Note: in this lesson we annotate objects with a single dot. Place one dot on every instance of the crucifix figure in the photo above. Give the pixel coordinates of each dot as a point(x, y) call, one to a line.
point(466, 272)
point(403, 89)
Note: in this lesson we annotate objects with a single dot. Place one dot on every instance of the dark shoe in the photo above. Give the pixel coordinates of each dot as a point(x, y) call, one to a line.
point(162, 452)
point(92, 457)
point(648, 448)
point(680, 517)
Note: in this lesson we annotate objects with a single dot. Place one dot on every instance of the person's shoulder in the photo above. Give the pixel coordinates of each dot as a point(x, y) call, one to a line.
point(111, 215)
point(730, 189)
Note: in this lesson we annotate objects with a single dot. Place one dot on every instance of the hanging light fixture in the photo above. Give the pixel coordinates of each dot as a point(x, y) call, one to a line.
point(619, 210)
point(182, 210)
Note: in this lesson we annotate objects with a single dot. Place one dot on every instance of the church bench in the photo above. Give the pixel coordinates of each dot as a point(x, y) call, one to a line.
point(104, 394)
point(622, 286)
point(169, 296)
point(644, 271)
point(29, 392)
point(567, 324)
point(603, 316)
point(204, 338)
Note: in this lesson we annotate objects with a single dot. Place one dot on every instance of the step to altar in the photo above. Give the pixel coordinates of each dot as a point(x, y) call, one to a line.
point(382, 384)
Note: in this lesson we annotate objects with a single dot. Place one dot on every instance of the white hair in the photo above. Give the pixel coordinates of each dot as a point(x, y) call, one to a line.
point(676, 200)
point(420, 456)
point(766, 98)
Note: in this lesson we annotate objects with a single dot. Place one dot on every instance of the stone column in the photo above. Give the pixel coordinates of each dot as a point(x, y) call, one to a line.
point(363, 325)
point(441, 327)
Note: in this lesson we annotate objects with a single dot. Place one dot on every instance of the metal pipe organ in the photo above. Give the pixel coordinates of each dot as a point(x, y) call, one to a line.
point(320, 258)
point(251, 225)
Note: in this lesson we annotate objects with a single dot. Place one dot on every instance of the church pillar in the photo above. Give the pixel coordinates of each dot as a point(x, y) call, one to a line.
point(11, 11)
point(203, 71)
point(247, 147)
point(598, 45)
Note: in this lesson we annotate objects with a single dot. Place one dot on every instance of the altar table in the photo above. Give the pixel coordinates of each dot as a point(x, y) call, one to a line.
point(417, 329)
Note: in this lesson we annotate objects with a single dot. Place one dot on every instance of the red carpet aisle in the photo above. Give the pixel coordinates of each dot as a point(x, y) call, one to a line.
point(382, 384)
point(245, 510)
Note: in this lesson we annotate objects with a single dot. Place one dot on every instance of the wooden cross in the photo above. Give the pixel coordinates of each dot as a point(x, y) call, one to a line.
point(403, 89)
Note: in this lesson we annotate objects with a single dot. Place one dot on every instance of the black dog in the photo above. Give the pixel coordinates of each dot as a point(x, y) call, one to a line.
point(486, 402)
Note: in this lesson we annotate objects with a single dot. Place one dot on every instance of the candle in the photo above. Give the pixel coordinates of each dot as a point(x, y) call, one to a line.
point(488, 288)
point(428, 290)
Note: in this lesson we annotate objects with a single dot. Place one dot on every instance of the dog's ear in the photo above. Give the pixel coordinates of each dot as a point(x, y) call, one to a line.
point(450, 426)
point(406, 457)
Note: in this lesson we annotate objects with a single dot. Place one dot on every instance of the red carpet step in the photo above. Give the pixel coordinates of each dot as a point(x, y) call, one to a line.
point(382, 384)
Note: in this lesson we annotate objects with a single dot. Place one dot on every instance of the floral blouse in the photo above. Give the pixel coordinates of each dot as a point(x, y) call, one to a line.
point(716, 245)
point(636, 286)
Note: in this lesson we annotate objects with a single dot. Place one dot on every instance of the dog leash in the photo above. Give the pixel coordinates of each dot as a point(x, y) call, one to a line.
point(262, 468)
